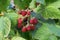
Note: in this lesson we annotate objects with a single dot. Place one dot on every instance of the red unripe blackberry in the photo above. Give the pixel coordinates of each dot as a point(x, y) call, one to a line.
point(31, 21)
point(19, 25)
point(20, 20)
point(23, 13)
point(32, 27)
point(28, 12)
point(35, 21)
point(24, 29)
point(28, 27)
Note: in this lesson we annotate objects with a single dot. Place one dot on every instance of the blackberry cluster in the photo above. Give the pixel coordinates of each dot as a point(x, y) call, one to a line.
point(26, 23)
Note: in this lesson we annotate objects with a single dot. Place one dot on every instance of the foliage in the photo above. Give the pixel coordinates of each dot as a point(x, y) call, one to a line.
point(5, 25)
point(4, 4)
point(46, 11)
point(13, 17)
point(22, 4)
point(17, 38)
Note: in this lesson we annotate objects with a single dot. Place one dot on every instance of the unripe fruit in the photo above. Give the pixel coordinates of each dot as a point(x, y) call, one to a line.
point(20, 21)
point(24, 29)
point(28, 27)
point(28, 12)
point(35, 21)
point(23, 13)
point(19, 25)
point(31, 21)
point(32, 27)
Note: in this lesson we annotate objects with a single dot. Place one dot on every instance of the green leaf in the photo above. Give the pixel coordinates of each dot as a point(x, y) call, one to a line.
point(37, 9)
point(33, 14)
point(1, 36)
point(41, 1)
point(51, 12)
point(52, 37)
point(32, 4)
point(6, 39)
point(55, 4)
point(42, 33)
point(4, 4)
point(55, 29)
point(22, 4)
point(50, 1)
point(17, 38)
point(5, 25)
point(13, 17)
point(38, 25)
point(12, 33)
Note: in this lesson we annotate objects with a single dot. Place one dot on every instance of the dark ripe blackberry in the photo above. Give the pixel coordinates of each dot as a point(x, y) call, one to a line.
point(14, 8)
point(26, 19)
point(25, 23)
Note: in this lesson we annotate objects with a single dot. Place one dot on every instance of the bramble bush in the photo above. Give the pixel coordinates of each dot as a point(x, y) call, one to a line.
point(30, 20)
